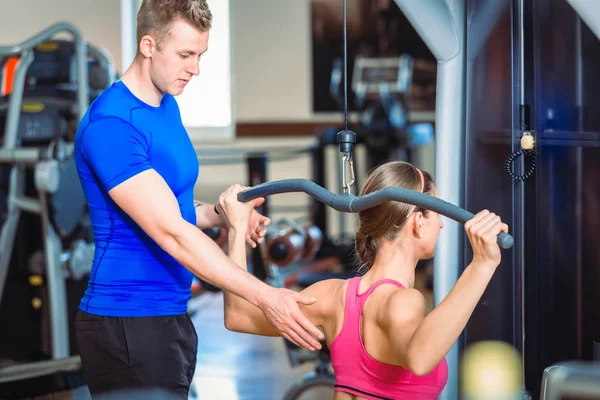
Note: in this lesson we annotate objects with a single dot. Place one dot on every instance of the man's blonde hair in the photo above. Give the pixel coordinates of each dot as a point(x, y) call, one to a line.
point(156, 16)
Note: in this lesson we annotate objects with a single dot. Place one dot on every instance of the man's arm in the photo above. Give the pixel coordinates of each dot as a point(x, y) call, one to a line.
point(118, 154)
point(147, 199)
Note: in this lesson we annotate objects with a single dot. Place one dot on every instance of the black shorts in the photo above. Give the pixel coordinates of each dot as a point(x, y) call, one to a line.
point(129, 353)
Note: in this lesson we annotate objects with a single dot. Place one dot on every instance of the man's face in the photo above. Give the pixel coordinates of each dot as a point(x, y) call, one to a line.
point(179, 58)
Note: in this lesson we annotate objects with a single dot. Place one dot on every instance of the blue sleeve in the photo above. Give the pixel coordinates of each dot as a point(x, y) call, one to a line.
point(114, 150)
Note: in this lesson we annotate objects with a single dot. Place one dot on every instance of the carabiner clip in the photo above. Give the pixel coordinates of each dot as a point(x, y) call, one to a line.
point(347, 162)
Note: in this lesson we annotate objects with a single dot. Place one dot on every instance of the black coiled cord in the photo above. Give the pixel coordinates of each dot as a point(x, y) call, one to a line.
point(509, 161)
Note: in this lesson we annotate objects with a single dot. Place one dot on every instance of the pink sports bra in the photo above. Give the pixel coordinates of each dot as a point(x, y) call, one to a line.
point(356, 372)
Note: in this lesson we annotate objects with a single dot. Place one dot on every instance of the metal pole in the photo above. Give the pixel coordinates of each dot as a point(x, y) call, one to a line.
point(441, 25)
point(80, 58)
point(16, 100)
point(521, 190)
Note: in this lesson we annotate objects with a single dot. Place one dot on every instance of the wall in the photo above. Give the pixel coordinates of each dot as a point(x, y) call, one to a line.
point(272, 59)
point(99, 21)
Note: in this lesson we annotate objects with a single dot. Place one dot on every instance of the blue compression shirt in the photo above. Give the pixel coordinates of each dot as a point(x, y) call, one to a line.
point(119, 137)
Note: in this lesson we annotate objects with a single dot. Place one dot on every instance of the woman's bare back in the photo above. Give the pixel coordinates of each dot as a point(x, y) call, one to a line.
point(374, 338)
point(373, 335)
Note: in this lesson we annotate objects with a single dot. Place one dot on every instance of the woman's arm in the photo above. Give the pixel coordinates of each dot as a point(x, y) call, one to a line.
point(421, 342)
point(206, 216)
point(243, 316)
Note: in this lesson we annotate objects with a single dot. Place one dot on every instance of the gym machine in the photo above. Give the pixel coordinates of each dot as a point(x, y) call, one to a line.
point(301, 254)
point(571, 380)
point(46, 244)
point(386, 89)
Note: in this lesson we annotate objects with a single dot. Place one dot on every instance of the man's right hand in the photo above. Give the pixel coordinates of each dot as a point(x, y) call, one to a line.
point(281, 309)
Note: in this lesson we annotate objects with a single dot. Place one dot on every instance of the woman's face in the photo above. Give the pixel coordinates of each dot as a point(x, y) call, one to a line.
point(432, 224)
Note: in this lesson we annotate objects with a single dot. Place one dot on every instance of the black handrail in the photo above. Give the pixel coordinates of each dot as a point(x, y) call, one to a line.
point(351, 203)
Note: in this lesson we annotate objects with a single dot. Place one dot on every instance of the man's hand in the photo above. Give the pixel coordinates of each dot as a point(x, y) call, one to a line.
point(280, 307)
point(257, 225)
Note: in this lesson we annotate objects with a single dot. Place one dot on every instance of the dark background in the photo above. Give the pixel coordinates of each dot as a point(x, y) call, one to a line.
point(376, 28)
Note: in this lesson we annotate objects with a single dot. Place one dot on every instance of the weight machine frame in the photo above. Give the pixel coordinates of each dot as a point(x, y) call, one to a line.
point(45, 162)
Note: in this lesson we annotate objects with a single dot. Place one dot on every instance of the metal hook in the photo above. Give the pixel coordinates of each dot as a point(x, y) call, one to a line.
point(347, 162)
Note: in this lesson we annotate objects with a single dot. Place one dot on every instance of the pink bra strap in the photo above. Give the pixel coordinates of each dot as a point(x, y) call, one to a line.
point(375, 286)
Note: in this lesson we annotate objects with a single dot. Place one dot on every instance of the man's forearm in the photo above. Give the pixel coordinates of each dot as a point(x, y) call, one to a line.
point(198, 253)
point(206, 217)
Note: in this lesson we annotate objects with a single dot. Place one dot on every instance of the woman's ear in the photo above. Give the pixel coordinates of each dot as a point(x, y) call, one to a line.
point(417, 224)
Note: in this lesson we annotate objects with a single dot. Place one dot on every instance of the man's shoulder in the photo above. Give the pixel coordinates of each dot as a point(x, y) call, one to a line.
point(113, 102)
point(108, 117)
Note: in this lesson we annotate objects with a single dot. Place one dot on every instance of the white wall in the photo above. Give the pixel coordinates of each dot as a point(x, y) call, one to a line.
point(272, 59)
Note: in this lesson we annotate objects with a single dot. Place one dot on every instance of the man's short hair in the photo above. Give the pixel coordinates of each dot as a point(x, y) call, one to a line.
point(156, 16)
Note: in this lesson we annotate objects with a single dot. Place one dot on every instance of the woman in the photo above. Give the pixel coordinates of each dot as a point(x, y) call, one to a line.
point(382, 343)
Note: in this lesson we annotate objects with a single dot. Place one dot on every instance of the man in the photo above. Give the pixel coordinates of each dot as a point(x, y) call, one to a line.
point(138, 168)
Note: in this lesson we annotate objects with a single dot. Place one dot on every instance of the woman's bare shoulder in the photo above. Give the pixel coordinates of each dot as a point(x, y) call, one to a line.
point(329, 295)
point(401, 306)
point(326, 289)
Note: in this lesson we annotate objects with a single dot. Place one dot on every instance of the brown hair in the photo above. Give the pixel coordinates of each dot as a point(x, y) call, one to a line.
point(385, 220)
point(155, 17)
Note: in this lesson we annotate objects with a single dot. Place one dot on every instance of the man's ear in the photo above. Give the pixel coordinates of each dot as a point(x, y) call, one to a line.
point(147, 46)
